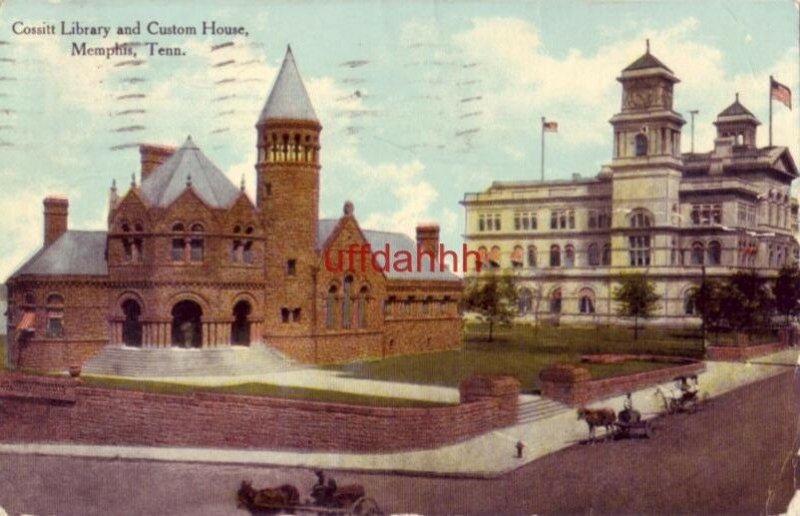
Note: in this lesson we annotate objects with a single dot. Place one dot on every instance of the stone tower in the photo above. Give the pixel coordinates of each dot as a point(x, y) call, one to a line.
point(288, 199)
point(646, 166)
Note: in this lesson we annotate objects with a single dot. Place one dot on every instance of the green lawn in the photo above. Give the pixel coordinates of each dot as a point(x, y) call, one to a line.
point(522, 351)
point(256, 389)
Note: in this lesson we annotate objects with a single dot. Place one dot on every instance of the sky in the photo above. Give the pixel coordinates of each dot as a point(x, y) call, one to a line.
point(420, 101)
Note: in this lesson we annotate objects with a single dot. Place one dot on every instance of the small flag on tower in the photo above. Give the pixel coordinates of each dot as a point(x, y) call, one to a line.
point(780, 93)
point(550, 126)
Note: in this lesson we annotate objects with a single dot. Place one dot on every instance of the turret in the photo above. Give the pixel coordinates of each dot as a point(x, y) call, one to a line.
point(738, 123)
point(288, 196)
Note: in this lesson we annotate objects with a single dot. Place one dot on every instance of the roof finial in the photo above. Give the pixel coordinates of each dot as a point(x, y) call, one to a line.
point(241, 184)
point(737, 96)
point(189, 180)
point(114, 186)
point(288, 49)
point(647, 43)
point(348, 208)
point(133, 179)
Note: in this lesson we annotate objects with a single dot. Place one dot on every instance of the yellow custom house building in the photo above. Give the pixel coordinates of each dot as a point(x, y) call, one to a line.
point(671, 215)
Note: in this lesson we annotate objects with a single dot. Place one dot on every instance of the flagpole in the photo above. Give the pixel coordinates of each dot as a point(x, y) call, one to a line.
point(542, 164)
point(770, 111)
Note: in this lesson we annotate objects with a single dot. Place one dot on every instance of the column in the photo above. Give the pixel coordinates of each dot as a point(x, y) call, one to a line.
point(206, 331)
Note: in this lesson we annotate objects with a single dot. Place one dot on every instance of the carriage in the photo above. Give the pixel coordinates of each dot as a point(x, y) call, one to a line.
point(687, 399)
point(327, 499)
point(629, 424)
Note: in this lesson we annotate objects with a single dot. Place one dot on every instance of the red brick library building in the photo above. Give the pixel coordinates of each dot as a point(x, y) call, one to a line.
point(189, 262)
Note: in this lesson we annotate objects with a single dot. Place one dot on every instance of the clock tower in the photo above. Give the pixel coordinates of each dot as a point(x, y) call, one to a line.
point(646, 165)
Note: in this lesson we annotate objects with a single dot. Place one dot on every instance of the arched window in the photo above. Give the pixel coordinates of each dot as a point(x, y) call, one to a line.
point(237, 247)
point(593, 255)
point(330, 307)
point(362, 307)
point(347, 292)
point(555, 301)
point(689, 307)
point(640, 144)
point(698, 253)
point(494, 257)
point(641, 219)
point(178, 243)
point(586, 301)
point(569, 255)
point(524, 301)
point(248, 245)
point(240, 328)
point(516, 257)
point(606, 254)
point(196, 243)
point(483, 256)
point(132, 326)
point(55, 315)
point(555, 256)
point(714, 253)
point(531, 256)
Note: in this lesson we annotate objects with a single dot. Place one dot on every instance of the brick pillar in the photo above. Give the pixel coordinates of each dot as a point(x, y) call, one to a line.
point(503, 389)
point(565, 383)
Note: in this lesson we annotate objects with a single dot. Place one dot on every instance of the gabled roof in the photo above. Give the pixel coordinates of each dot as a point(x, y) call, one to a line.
point(80, 253)
point(288, 98)
point(647, 60)
point(397, 242)
point(188, 167)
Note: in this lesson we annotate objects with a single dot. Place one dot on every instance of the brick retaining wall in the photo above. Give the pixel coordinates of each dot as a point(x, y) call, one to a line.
point(62, 410)
point(741, 353)
point(573, 384)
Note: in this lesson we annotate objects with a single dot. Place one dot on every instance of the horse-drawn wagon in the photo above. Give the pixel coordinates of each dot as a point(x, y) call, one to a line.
point(327, 499)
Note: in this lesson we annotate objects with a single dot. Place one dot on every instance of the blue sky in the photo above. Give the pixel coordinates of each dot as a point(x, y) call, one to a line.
point(420, 101)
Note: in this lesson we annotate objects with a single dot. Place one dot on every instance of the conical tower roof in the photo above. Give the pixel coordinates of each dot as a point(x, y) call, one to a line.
point(188, 167)
point(288, 98)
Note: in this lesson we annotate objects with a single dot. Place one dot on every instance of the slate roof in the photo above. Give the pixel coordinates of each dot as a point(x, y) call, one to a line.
point(397, 242)
point(736, 109)
point(169, 180)
point(647, 60)
point(80, 253)
point(288, 97)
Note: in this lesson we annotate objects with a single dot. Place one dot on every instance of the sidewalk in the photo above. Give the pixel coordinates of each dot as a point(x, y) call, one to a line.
point(488, 455)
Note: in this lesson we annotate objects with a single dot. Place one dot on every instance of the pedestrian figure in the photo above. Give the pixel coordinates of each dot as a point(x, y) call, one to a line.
point(520, 446)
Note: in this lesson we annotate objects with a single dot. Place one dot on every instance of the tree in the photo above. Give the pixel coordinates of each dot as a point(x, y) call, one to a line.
point(494, 298)
point(786, 292)
point(637, 298)
point(746, 301)
point(707, 300)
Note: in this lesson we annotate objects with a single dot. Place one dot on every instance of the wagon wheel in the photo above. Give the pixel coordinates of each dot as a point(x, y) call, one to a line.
point(366, 507)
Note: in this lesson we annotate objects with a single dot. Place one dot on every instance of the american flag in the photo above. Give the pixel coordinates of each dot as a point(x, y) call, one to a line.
point(780, 93)
point(550, 126)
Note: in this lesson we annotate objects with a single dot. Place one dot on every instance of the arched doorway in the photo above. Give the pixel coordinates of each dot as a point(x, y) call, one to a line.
point(187, 332)
point(132, 326)
point(240, 329)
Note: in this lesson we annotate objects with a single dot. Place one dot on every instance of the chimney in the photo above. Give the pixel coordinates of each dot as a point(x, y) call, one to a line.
point(428, 238)
point(152, 156)
point(55, 218)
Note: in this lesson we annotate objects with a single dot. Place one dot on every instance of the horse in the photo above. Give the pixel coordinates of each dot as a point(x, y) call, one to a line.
point(269, 500)
point(604, 417)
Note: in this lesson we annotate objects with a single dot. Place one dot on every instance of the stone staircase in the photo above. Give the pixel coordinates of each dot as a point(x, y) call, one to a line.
point(121, 360)
point(536, 408)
